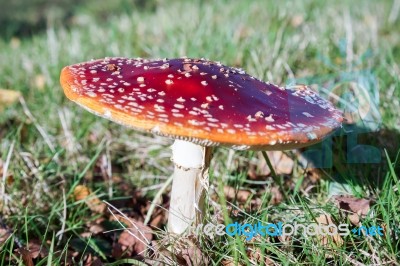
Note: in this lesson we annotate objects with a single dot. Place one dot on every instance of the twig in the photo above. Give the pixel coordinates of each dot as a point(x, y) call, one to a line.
point(5, 168)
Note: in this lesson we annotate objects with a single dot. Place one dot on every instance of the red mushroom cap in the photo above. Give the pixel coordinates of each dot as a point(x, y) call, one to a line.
point(200, 101)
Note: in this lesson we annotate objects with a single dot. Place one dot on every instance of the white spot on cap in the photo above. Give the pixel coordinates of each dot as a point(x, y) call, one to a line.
point(155, 129)
point(177, 115)
point(307, 114)
point(250, 119)
point(187, 74)
point(204, 83)
point(214, 76)
point(179, 106)
point(107, 113)
point(168, 82)
point(140, 79)
point(269, 118)
point(180, 99)
point(259, 114)
point(311, 136)
point(204, 105)
point(91, 94)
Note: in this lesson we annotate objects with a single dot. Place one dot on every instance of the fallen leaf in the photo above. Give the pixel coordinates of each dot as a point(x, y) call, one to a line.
point(325, 239)
point(82, 192)
point(135, 239)
point(313, 174)
point(192, 255)
point(8, 97)
point(158, 220)
point(117, 251)
point(354, 208)
point(255, 255)
point(26, 256)
point(240, 195)
point(281, 163)
point(96, 229)
point(184, 250)
point(4, 235)
point(276, 196)
point(35, 249)
point(229, 262)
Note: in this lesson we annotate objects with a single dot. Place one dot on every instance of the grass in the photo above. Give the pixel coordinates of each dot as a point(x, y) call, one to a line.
point(51, 145)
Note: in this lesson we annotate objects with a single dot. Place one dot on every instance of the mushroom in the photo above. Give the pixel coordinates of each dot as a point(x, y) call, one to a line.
point(201, 104)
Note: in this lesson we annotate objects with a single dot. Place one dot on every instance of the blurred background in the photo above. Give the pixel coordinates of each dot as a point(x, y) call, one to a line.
point(25, 18)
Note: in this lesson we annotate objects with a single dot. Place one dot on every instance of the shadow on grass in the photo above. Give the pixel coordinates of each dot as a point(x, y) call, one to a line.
point(353, 156)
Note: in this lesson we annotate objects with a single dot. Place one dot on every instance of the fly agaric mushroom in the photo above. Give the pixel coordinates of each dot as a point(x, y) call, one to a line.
point(200, 104)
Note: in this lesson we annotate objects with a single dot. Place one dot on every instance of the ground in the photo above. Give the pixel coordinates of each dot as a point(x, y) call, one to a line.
point(71, 181)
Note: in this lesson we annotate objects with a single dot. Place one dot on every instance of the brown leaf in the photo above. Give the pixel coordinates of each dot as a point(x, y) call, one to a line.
point(281, 163)
point(158, 220)
point(240, 195)
point(255, 255)
point(192, 255)
point(135, 239)
point(353, 207)
point(96, 229)
point(35, 248)
point(4, 235)
point(8, 97)
point(276, 196)
point(117, 251)
point(229, 262)
point(326, 220)
point(313, 174)
point(183, 250)
point(26, 256)
point(82, 192)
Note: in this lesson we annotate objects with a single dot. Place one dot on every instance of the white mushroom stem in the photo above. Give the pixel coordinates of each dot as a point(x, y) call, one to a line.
point(189, 185)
